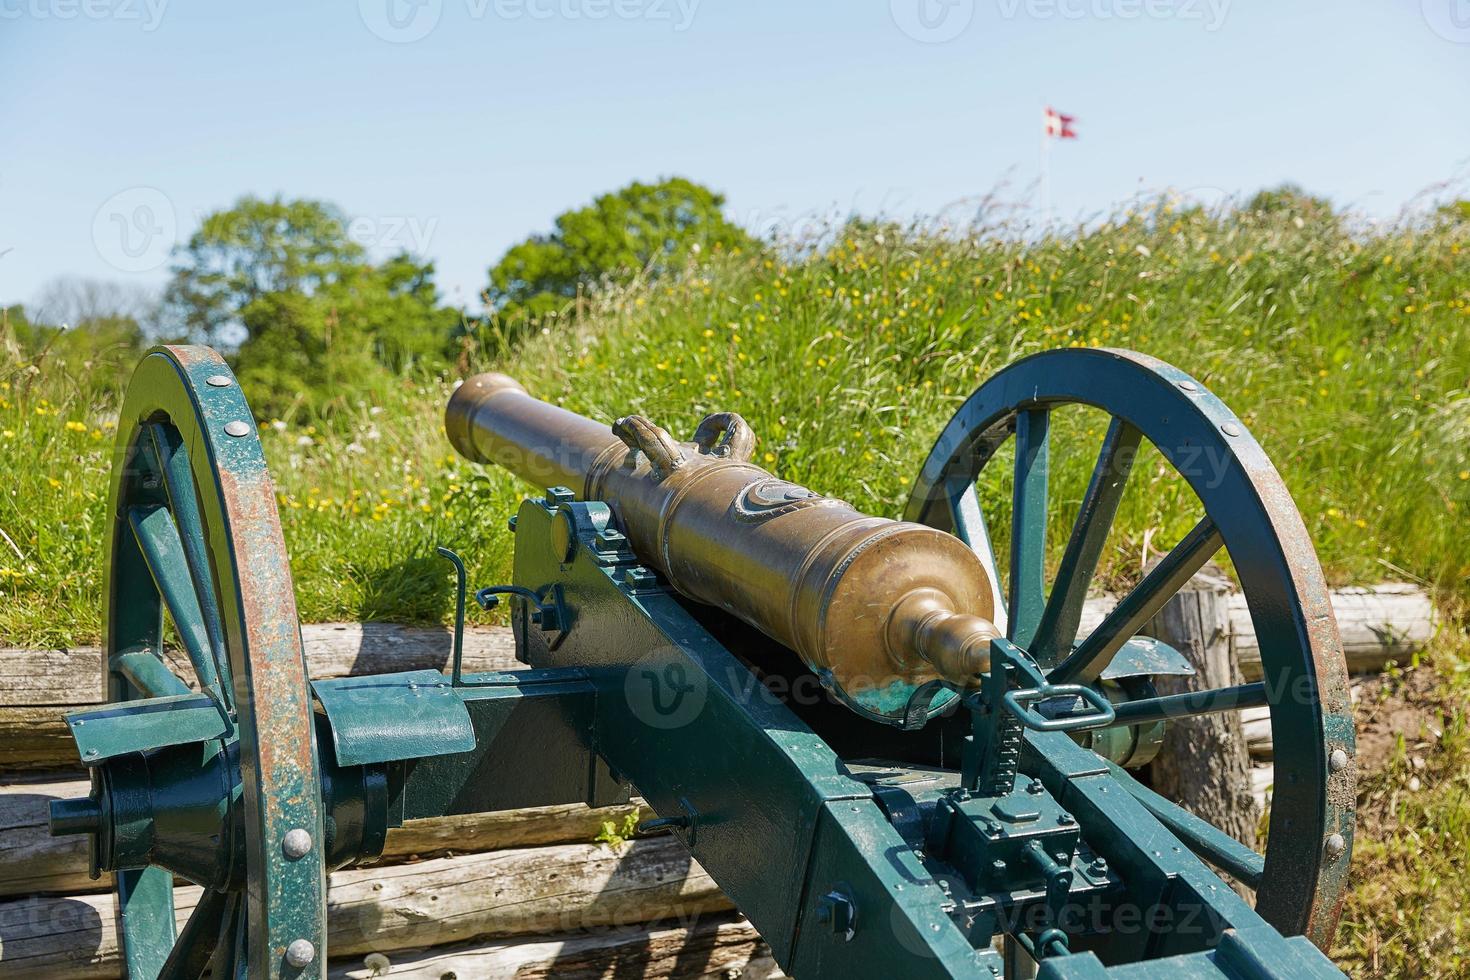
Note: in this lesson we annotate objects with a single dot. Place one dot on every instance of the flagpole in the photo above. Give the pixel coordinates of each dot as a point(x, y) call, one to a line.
point(1045, 171)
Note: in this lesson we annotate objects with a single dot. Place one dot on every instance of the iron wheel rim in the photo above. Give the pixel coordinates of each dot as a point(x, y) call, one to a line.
point(1309, 844)
point(189, 392)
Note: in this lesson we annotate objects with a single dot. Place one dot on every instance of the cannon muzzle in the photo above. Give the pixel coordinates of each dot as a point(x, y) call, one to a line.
point(876, 607)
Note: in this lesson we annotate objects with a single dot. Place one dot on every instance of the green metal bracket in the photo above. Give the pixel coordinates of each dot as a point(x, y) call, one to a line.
point(391, 717)
point(1144, 656)
point(103, 733)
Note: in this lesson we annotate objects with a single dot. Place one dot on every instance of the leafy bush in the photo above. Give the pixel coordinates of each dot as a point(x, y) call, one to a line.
point(642, 230)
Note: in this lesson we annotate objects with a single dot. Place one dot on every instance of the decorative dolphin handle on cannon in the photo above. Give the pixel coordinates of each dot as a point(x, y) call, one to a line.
point(955, 802)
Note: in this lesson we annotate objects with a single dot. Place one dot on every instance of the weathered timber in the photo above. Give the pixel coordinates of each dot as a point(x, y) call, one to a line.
point(724, 946)
point(521, 892)
point(1203, 764)
point(1377, 624)
point(32, 861)
point(1255, 724)
point(36, 737)
point(41, 686)
point(37, 687)
point(1391, 621)
point(73, 676)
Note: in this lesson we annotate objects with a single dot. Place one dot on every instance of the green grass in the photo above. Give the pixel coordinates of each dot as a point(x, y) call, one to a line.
point(1405, 915)
point(1347, 354)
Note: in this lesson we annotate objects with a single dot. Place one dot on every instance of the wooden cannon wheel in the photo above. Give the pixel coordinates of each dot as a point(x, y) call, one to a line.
point(196, 535)
point(1247, 511)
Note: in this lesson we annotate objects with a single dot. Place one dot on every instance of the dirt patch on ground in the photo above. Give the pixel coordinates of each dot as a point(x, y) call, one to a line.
point(1390, 705)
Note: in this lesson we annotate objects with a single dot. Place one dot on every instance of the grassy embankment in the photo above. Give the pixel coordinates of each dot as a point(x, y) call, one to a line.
point(1348, 355)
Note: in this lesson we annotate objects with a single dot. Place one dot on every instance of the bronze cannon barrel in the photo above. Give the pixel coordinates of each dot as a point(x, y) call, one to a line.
point(876, 606)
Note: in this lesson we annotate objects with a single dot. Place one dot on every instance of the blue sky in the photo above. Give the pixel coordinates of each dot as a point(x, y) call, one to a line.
point(457, 127)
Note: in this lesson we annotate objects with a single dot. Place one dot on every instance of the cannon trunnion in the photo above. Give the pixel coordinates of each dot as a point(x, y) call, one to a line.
point(895, 759)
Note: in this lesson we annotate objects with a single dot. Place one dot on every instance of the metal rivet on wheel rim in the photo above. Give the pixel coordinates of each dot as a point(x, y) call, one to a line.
point(1335, 844)
point(1338, 761)
point(237, 428)
point(218, 381)
point(300, 953)
point(1230, 429)
point(296, 844)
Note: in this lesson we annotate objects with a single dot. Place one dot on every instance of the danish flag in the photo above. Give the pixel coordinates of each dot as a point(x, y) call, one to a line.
point(1058, 126)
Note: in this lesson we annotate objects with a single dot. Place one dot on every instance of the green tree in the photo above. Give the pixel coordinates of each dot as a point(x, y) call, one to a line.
point(653, 228)
point(313, 316)
point(256, 248)
point(1291, 201)
point(365, 327)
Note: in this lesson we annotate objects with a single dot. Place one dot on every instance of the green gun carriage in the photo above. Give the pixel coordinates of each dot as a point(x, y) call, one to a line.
point(895, 758)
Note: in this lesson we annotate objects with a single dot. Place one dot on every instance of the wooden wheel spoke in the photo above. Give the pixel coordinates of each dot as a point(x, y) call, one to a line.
point(1190, 704)
point(163, 551)
point(1140, 605)
point(968, 523)
point(1059, 620)
point(145, 918)
point(1276, 569)
point(1199, 835)
point(147, 672)
point(176, 469)
point(197, 941)
point(229, 952)
point(1028, 528)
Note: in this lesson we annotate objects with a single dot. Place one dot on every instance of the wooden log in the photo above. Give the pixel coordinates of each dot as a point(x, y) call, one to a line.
point(724, 946)
point(1255, 725)
point(37, 687)
point(40, 677)
point(34, 737)
point(1392, 621)
point(32, 861)
point(1380, 623)
point(73, 676)
point(522, 892)
point(41, 686)
point(1203, 764)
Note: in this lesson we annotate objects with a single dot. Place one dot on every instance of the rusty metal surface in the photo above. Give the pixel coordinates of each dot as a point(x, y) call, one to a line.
point(1312, 815)
point(285, 899)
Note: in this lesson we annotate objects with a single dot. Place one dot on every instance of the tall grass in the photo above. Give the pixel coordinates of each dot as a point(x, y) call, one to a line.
point(1348, 355)
point(1346, 352)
